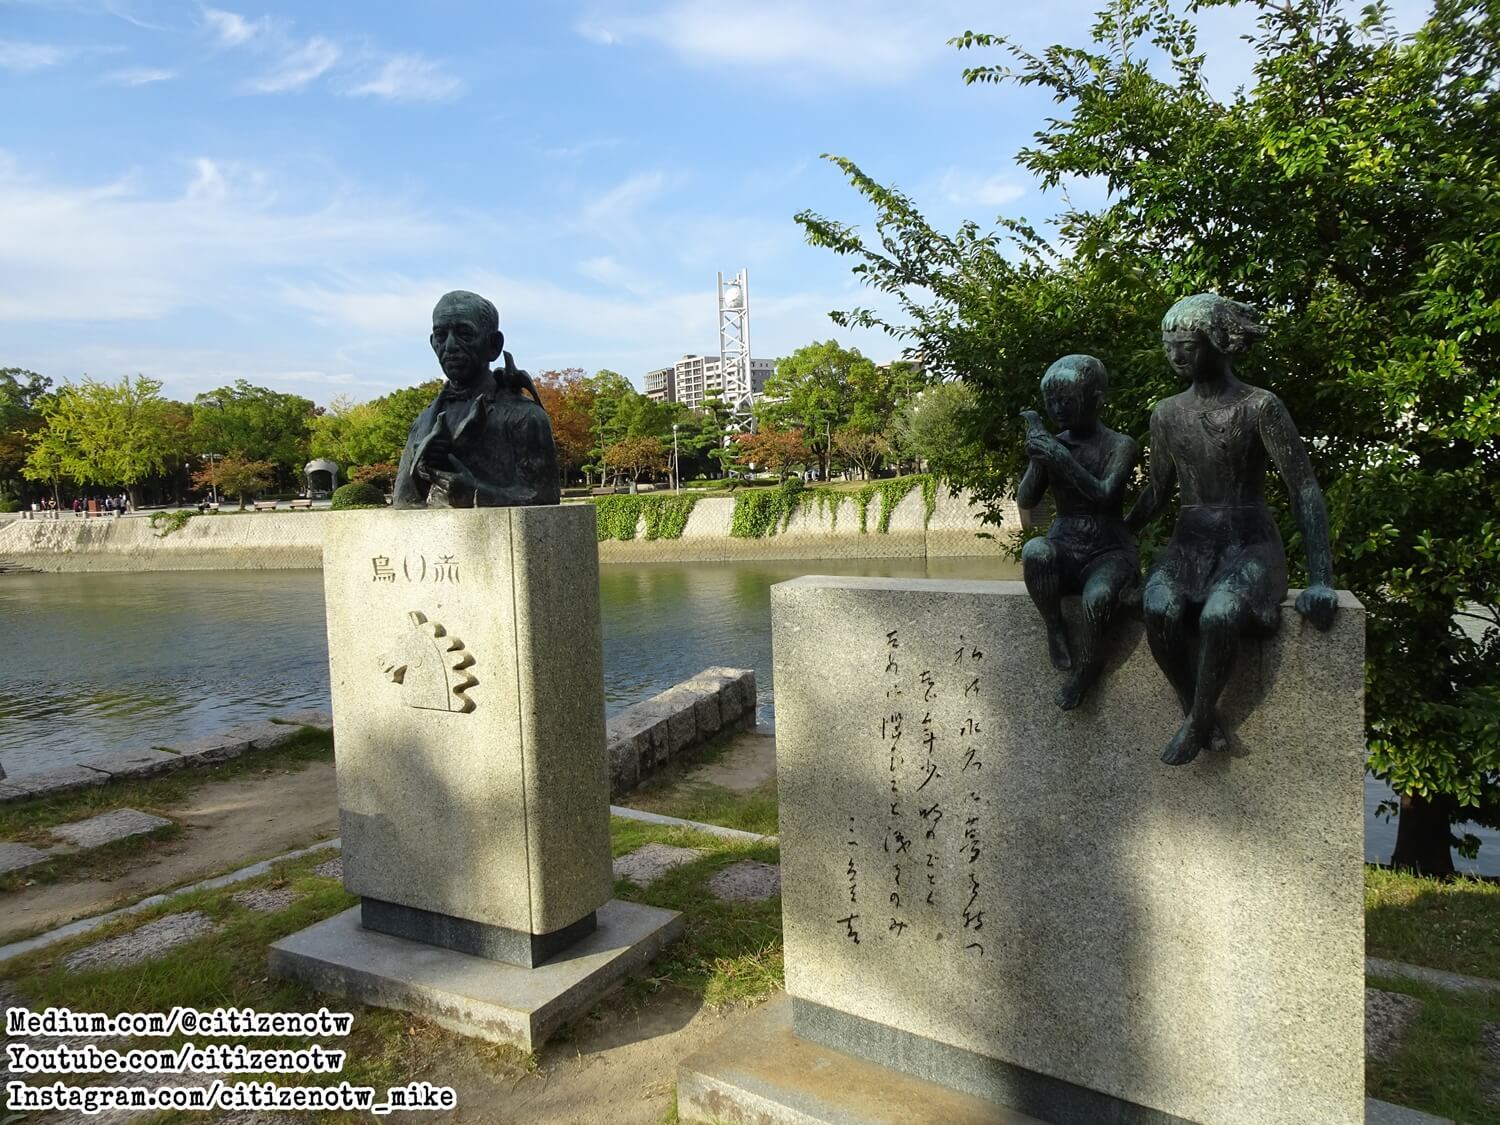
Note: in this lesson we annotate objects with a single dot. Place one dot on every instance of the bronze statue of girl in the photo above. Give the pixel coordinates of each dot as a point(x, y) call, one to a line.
point(1224, 573)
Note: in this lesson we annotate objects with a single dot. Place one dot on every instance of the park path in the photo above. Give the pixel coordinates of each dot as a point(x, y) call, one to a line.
point(227, 824)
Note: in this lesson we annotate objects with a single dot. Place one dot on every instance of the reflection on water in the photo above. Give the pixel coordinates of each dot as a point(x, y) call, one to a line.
point(103, 662)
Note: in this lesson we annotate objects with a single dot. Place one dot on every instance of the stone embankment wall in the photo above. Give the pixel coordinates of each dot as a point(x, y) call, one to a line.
point(644, 737)
point(252, 541)
point(294, 540)
point(817, 533)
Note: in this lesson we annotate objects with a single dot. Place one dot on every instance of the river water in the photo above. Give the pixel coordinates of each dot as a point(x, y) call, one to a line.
point(102, 662)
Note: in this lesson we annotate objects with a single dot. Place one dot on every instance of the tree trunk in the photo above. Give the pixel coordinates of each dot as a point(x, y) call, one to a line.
point(1424, 837)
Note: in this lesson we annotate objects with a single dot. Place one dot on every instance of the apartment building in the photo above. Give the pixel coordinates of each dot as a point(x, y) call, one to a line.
point(694, 377)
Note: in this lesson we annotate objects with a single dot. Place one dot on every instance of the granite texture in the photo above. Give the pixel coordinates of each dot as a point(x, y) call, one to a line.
point(497, 943)
point(650, 862)
point(18, 857)
point(645, 736)
point(497, 814)
point(747, 881)
point(1189, 940)
point(64, 779)
point(108, 827)
point(135, 763)
point(1388, 1015)
point(760, 1073)
point(143, 943)
point(470, 995)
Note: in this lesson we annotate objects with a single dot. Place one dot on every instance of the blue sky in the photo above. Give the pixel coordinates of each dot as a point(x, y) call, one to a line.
point(280, 192)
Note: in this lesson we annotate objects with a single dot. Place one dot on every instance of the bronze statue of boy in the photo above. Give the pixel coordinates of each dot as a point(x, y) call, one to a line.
point(481, 443)
point(1224, 570)
point(1088, 550)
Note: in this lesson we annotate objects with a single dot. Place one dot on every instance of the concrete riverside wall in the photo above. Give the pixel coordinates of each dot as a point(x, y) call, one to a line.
point(249, 541)
point(1026, 904)
point(813, 533)
point(644, 737)
point(294, 540)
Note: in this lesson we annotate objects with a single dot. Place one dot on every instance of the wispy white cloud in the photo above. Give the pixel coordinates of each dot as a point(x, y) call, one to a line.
point(297, 66)
point(965, 188)
point(231, 29)
point(618, 205)
point(114, 252)
point(409, 78)
point(19, 56)
point(582, 148)
point(139, 76)
point(880, 42)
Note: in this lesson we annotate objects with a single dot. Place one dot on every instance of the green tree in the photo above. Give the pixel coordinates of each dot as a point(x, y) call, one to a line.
point(106, 434)
point(813, 391)
point(20, 392)
point(937, 427)
point(1348, 192)
point(369, 433)
point(255, 423)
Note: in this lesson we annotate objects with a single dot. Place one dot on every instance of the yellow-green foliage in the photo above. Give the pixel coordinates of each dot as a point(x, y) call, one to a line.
point(768, 512)
point(666, 516)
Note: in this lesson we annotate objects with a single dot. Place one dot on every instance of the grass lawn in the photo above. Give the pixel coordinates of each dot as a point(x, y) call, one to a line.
point(1453, 926)
point(729, 953)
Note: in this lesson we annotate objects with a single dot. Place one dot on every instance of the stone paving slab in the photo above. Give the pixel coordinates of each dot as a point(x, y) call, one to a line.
point(135, 763)
point(108, 827)
point(747, 881)
point(650, 862)
point(151, 940)
point(265, 900)
point(1387, 1017)
point(1489, 1039)
point(333, 869)
point(18, 857)
point(323, 720)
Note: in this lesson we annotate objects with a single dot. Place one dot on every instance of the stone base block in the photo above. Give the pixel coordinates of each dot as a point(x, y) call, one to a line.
point(761, 1072)
point(494, 943)
point(470, 995)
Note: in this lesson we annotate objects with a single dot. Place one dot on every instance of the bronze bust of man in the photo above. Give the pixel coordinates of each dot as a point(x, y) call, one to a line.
point(482, 443)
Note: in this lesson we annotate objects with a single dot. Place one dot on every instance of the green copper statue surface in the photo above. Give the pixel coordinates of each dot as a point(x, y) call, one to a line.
point(1224, 573)
point(1088, 549)
point(482, 443)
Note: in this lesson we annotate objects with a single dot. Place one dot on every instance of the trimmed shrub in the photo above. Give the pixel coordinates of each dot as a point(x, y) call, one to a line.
point(357, 495)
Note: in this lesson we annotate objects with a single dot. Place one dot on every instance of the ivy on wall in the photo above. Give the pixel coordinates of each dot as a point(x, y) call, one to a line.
point(665, 516)
point(766, 512)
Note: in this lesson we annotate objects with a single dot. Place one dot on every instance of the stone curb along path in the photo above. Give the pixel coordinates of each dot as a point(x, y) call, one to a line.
point(133, 764)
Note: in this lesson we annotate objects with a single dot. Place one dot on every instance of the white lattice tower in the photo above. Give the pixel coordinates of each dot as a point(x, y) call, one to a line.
point(734, 353)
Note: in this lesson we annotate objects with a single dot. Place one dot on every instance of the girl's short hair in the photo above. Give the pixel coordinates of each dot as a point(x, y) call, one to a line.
point(1084, 370)
point(1231, 327)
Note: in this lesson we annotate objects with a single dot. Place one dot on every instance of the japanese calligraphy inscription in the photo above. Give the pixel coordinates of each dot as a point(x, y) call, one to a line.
point(970, 874)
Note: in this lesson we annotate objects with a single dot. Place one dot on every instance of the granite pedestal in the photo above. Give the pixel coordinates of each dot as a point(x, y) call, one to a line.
point(1027, 906)
point(466, 668)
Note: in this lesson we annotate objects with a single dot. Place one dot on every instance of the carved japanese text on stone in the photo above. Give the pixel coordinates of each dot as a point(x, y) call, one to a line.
point(913, 872)
point(431, 667)
point(1224, 573)
point(485, 441)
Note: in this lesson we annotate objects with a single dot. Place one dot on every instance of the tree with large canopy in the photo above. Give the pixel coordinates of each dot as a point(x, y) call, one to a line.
point(1347, 191)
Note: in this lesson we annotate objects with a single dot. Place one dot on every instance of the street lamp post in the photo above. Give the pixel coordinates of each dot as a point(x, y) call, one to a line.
point(676, 460)
point(213, 480)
